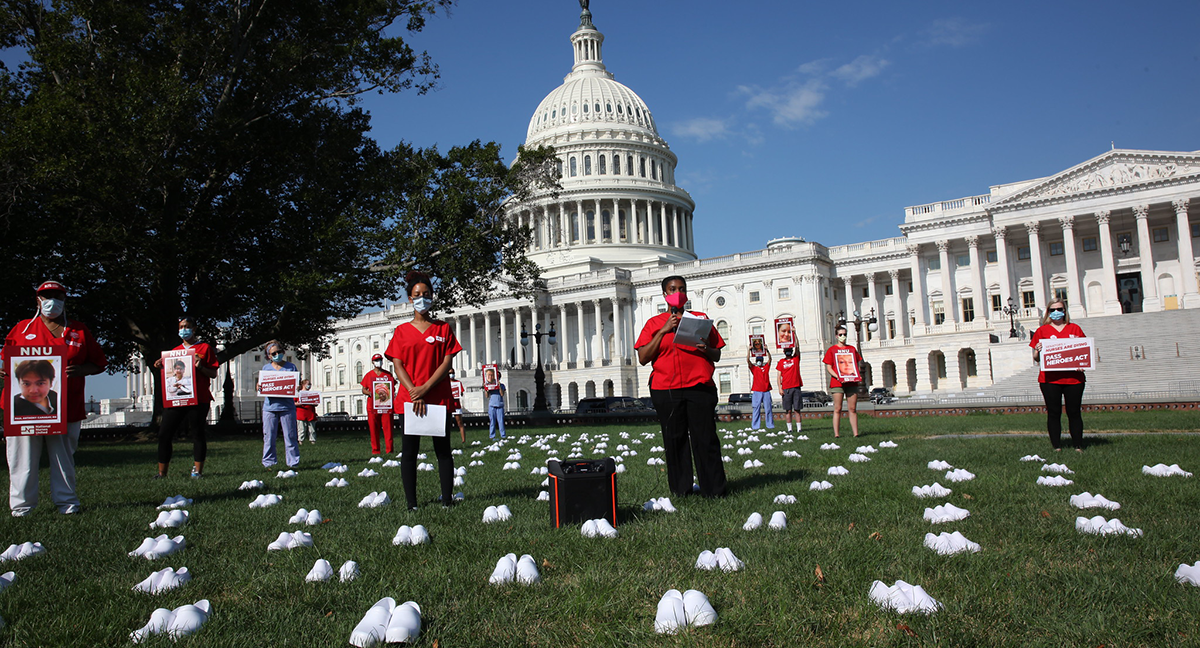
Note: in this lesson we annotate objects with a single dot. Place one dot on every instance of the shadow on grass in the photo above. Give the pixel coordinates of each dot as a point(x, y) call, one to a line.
point(764, 479)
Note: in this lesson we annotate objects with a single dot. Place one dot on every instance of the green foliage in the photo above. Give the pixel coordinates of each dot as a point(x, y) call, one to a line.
point(210, 157)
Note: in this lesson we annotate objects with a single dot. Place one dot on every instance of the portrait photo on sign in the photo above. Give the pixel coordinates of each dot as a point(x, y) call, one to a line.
point(785, 336)
point(381, 392)
point(847, 368)
point(491, 378)
point(757, 346)
point(34, 382)
point(179, 378)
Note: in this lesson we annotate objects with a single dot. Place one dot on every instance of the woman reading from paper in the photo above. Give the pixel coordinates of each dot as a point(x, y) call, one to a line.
point(421, 352)
point(841, 363)
point(1060, 386)
point(683, 393)
point(191, 418)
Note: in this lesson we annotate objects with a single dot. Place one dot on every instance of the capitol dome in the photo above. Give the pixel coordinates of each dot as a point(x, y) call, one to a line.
point(619, 205)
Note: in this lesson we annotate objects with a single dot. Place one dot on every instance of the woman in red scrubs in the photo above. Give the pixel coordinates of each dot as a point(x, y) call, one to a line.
point(1060, 386)
point(421, 352)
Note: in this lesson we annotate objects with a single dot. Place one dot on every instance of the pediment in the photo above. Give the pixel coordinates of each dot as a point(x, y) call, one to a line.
point(1118, 169)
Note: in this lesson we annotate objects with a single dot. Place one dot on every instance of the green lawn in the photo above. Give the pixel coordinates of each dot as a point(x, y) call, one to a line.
point(1035, 582)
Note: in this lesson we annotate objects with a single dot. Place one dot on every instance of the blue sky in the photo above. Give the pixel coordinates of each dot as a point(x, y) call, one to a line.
point(825, 120)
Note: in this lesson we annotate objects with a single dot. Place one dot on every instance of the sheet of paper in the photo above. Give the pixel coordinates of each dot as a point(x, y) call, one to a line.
point(432, 424)
point(692, 329)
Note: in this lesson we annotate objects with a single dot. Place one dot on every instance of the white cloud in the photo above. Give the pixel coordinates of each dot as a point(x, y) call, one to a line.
point(701, 129)
point(954, 32)
point(790, 104)
point(860, 69)
point(814, 68)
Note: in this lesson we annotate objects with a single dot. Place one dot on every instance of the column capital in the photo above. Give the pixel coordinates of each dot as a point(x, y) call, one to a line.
point(894, 274)
point(1102, 216)
point(999, 232)
point(1033, 227)
point(870, 276)
point(914, 249)
point(1141, 212)
point(972, 241)
point(848, 280)
point(943, 245)
point(595, 303)
point(768, 282)
point(1068, 222)
point(1180, 205)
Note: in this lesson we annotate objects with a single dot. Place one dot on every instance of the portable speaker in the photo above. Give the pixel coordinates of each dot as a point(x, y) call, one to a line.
point(581, 490)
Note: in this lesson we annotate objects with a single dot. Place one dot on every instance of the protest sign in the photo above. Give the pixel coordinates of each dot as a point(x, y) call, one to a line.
point(785, 333)
point(179, 378)
point(279, 384)
point(1068, 354)
point(37, 386)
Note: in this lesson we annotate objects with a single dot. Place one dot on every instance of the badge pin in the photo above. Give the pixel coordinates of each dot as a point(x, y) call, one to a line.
point(430, 339)
point(30, 336)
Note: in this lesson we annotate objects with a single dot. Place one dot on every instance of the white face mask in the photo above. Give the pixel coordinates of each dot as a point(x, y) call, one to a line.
point(422, 304)
point(52, 308)
point(378, 364)
point(842, 339)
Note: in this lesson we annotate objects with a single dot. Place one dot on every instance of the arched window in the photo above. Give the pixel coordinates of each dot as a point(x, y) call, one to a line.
point(642, 167)
point(606, 225)
point(723, 329)
point(603, 169)
point(617, 164)
point(653, 170)
point(574, 226)
point(597, 106)
point(574, 171)
point(587, 163)
point(621, 225)
point(629, 164)
point(591, 225)
point(608, 107)
point(558, 168)
point(358, 370)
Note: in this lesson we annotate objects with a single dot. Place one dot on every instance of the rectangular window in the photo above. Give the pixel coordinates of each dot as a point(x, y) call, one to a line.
point(358, 407)
point(784, 293)
point(887, 289)
point(1161, 235)
point(662, 308)
point(726, 383)
point(891, 329)
point(866, 293)
point(328, 379)
point(1089, 244)
point(997, 305)
point(963, 260)
point(1023, 253)
point(910, 287)
point(757, 329)
point(1056, 248)
point(754, 297)
point(991, 256)
point(1027, 300)
point(341, 349)
point(1195, 230)
point(1060, 294)
point(642, 167)
point(939, 313)
point(257, 358)
point(375, 344)
point(968, 309)
point(935, 263)
point(341, 376)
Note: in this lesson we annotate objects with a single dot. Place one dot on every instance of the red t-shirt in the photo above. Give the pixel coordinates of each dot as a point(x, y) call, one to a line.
point(306, 412)
point(420, 354)
point(829, 360)
point(208, 358)
point(1046, 331)
point(368, 382)
point(761, 378)
point(676, 367)
point(82, 348)
point(789, 373)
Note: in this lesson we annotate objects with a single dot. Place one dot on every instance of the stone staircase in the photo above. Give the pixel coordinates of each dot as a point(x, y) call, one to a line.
point(1141, 355)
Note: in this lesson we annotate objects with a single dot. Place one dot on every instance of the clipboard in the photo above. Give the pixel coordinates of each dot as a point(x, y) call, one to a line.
point(692, 329)
point(433, 424)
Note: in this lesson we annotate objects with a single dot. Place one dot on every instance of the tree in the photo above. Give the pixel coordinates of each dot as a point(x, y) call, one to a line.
point(210, 157)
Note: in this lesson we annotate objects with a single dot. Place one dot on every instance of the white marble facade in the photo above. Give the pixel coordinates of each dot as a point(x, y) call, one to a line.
point(1110, 235)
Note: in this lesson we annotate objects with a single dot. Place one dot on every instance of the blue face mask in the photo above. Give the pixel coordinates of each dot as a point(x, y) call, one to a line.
point(422, 304)
point(278, 357)
point(1057, 315)
point(185, 333)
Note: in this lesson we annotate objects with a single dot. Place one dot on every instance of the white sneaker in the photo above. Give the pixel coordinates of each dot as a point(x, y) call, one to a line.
point(666, 505)
point(405, 624)
point(372, 629)
point(321, 572)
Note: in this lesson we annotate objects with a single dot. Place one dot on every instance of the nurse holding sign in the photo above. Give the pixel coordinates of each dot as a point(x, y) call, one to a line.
point(279, 382)
point(1061, 379)
point(187, 373)
point(379, 386)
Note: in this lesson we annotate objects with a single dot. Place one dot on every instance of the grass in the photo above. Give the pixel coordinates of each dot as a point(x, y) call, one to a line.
point(1036, 581)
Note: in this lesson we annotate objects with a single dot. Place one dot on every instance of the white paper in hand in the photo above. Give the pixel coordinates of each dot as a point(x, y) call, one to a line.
point(692, 329)
point(432, 424)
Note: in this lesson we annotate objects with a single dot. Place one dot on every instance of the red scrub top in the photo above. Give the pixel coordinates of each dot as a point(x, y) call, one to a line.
point(829, 360)
point(420, 354)
point(208, 358)
point(761, 378)
point(1047, 331)
point(82, 348)
point(676, 367)
point(789, 373)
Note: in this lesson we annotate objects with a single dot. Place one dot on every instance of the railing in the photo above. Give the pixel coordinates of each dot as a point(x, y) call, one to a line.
point(969, 202)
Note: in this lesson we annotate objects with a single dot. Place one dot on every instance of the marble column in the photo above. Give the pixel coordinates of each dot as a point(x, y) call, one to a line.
point(1002, 261)
point(598, 349)
point(1187, 258)
point(560, 334)
point(1112, 298)
point(1150, 301)
point(901, 314)
point(618, 332)
point(504, 357)
point(1035, 261)
point(949, 294)
point(488, 348)
point(474, 355)
point(675, 225)
point(978, 286)
point(848, 311)
point(916, 297)
point(1076, 305)
point(581, 355)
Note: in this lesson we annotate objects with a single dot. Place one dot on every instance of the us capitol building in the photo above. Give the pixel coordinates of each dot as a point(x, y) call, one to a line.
point(1109, 235)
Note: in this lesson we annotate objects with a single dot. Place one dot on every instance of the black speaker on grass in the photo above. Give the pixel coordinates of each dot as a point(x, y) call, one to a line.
point(581, 490)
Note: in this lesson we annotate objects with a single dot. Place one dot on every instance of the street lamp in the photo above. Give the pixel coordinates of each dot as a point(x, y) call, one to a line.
point(872, 325)
point(539, 376)
point(1011, 311)
point(1125, 242)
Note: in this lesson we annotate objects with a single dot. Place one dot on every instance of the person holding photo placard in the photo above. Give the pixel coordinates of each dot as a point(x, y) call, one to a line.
point(760, 388)
point(379, 386)
point(83, 358)
point(841, 363)
point(36, 398)
point(1060, 386)
point(306, 416)
point(193, 418)
point(421, 352)
point(279, 411)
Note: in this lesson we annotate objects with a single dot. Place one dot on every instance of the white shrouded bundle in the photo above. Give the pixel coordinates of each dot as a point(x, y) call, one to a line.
point(543, 496)
point(598, 528)
point(407, 535)
point(387, 622)
point(304, 516)
point(656, 461)
point(859, 458)
point(7, 579)
point(820, 486)
point(866, 449)
point(1186, 573)
point(830, 446)
point(390, 463)
point(791, 453)
point(837, 470)
point(1086, 500)
point(496, 514)
point(286, 474)
point(163, 580)
point(367, 472)
point(263, 501)
point(179, 501)
point(1032, 458)
point(753, 522)
point(903, 598)
point(785, 499)
point(677, 611)
point(348, 571)
point(294, 540)
point(375, 460)
point(1099, 526)
point(1163, 470)
point(659, 504)
point(152, 548)
point(1057, 468)
point(945, 513)
point(1057, 480)
point(888, 444)
point(375, 500)
point(321, 572)
point(932, 490)
point(509, 568)
point(723, 559)
point(778, 521)
point(171, 519)
point(937, 464)
point(180, 622)
point(948, 544)
point(337, 482)
point(959, 475)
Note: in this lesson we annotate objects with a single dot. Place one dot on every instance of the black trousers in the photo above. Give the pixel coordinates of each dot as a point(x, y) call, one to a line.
point(689, 430)
point(193, 419)
point(410, 445)
point(1054, 396)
